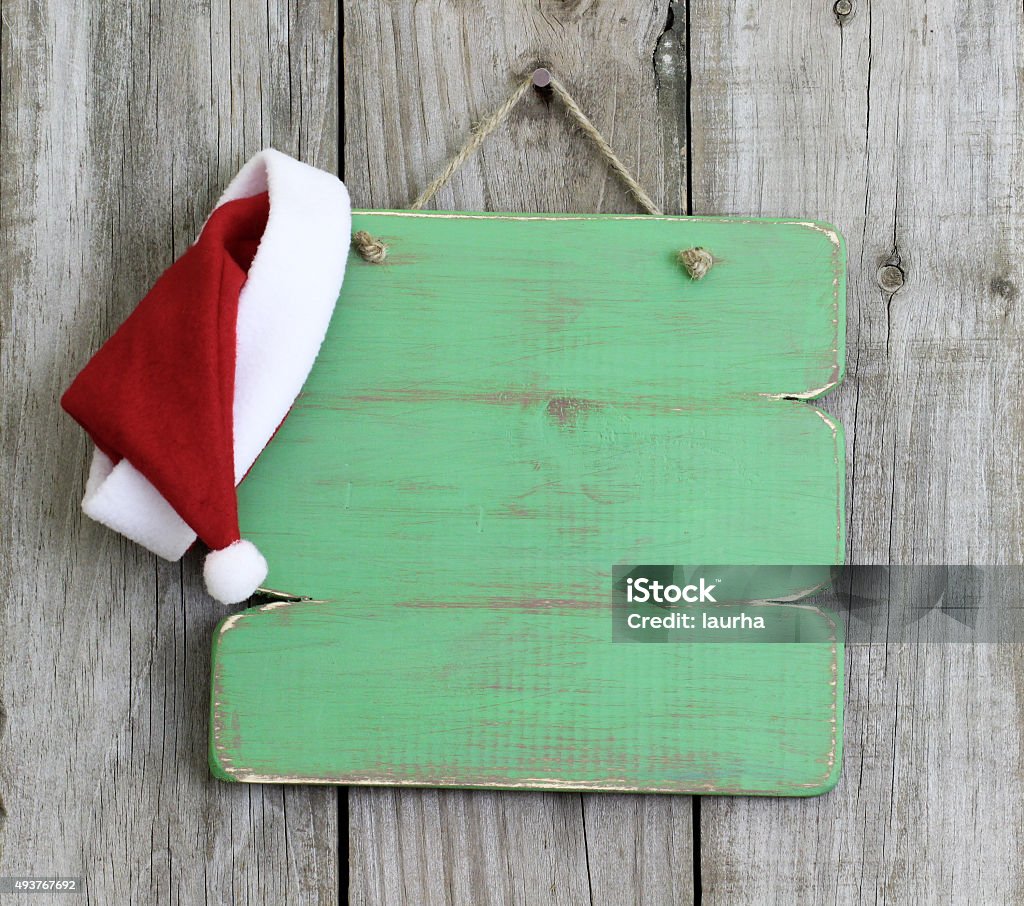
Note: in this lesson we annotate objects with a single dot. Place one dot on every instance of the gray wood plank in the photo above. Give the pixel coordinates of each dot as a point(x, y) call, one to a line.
point(121, 123)
point(903, 127)
point(452, 846)
point(417, 77)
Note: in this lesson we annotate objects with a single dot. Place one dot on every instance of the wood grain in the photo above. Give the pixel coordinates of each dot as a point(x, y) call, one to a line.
point(120, 125)
point(902, 126)
point(453, 846)
point(416, 78)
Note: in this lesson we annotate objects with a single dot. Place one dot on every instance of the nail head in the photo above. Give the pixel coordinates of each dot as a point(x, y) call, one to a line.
point(541, 78)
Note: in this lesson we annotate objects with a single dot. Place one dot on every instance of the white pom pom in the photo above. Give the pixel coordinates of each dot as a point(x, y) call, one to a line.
point(234, 572)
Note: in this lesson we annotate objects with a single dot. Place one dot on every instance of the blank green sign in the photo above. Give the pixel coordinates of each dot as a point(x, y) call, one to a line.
point(503, 411)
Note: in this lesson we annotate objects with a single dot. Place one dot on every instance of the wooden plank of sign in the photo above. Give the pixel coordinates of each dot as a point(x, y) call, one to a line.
point(527, 696)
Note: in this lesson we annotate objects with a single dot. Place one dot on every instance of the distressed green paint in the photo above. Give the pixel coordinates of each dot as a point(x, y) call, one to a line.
point(516, 697)
point(504, 410)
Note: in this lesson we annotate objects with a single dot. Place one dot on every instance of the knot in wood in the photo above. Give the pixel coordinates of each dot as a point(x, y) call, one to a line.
point(369, 248)
point(697, 261)
point(1005, 287)
point(891, 278)
point(566, 410)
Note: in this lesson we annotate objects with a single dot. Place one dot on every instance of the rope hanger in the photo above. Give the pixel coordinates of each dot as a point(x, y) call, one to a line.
point(697, 261)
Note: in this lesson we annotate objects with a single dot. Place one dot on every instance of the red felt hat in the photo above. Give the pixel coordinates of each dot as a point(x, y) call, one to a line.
point(186, 394)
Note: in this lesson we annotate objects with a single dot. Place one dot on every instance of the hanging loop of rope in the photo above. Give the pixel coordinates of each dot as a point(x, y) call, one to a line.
point(542, 79)
point(374, 251)
point(696, 261)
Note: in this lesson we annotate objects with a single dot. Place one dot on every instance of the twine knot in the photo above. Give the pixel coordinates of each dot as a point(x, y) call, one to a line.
point(697, 261)
point(369, 248)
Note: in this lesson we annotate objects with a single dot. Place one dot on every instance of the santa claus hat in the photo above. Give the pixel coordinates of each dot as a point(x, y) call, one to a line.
point(186, 394)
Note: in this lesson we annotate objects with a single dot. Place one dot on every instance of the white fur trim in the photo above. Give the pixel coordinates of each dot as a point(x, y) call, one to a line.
point(284, 310)
point(99, 470)
point(233, 573)
point(122, 498)
point(287, 301)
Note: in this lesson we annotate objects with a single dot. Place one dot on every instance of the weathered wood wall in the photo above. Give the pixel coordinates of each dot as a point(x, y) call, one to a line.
point(902, 125)
point(121, 123)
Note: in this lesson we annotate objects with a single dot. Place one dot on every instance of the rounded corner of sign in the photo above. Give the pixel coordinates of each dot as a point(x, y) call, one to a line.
point(219, 768)
point(828, 783)
point(225, 625)
point(829, 230)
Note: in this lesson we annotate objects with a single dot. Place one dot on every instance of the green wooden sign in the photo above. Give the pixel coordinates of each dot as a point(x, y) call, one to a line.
point(503, 411)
